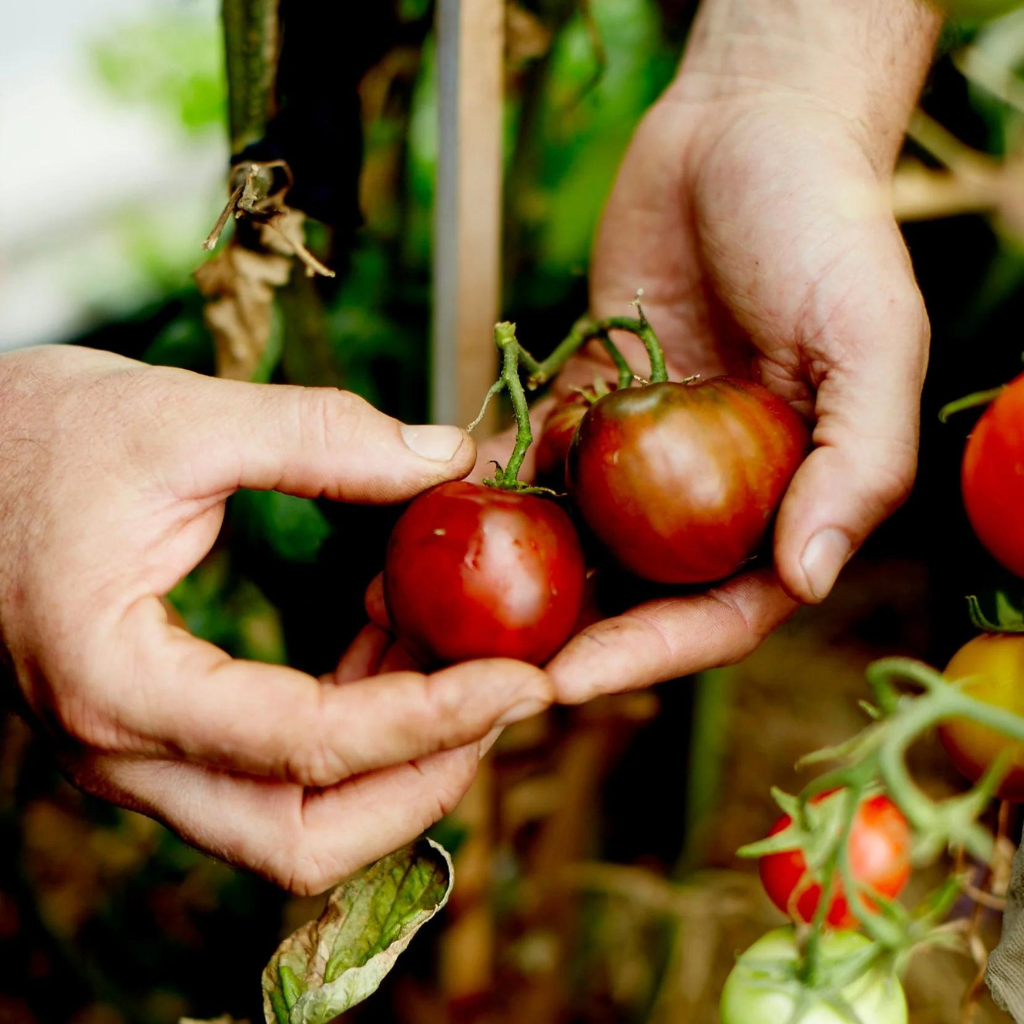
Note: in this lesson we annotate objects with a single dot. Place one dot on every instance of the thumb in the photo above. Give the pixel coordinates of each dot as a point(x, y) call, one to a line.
point(866, 437)
point(313, 442)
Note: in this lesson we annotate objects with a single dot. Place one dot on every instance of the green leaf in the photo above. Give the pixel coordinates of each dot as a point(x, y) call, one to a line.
point(330, 964)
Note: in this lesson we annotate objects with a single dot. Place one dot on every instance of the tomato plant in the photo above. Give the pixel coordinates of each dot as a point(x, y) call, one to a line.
point(992, 669)
point(476, 572)
point(765, 986)
point(680, 480)
point(992, 477)
point(878, 853)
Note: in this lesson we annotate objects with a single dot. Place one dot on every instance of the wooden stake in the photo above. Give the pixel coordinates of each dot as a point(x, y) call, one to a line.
point(467, 212)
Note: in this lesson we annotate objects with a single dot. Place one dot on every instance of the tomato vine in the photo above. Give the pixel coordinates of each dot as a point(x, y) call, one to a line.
point(515, 358)
point(875, 761)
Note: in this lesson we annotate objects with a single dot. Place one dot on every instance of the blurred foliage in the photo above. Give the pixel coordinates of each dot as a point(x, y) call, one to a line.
point(171, 64)
point(107, 919)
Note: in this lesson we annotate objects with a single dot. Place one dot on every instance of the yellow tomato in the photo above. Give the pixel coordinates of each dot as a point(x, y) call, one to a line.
point(993, 667)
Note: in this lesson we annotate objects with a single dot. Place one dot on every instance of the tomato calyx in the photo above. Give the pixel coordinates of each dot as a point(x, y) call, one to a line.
point(1009, 618)
point(814, 827)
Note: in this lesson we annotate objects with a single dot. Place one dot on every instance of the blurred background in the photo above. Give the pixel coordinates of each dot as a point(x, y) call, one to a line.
point(597, 852)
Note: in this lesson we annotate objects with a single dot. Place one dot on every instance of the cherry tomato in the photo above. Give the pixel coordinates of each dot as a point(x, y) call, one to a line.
point(763, 987)
point(680, 481)
point(992, 477)
point(879, 853)
point(476, 572)
point(993, 667)
point(553, 446)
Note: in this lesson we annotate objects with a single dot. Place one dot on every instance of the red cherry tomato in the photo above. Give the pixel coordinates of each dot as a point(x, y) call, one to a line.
point(992, 666)
point(992, 477)
point(553, 446)
point(476, 572)
point(680, 481)
point(879, 853)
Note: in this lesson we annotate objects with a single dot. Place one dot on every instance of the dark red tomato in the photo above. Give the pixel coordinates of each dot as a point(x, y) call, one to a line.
point(992, 668)
point(992, 477)
point(879, 853)
point(475, 572)
point(553, 446)
point(680, 481)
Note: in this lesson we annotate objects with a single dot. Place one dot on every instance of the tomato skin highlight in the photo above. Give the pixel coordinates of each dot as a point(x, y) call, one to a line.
point(992, 477)
point(556, 435)
point(993, 667)
point(476, 572)
point(680, 481)
point(760, 990)
point(879, 853)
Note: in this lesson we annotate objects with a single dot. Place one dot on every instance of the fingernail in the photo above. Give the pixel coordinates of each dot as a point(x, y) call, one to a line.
point(489, 740)
point(524, 709)
point(436, 442)
point(825, 554)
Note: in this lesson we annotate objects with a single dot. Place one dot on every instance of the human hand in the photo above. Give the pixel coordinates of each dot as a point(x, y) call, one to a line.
point(112, 488)
point(752, 208)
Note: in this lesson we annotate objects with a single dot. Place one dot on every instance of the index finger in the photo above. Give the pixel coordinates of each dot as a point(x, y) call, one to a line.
point(186, 699)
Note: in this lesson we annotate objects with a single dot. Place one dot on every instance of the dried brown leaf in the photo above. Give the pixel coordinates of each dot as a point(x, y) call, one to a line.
point(239, 286)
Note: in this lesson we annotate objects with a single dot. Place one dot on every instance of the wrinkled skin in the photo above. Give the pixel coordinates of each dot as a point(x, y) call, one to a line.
point(680, 481)
point(474, 572)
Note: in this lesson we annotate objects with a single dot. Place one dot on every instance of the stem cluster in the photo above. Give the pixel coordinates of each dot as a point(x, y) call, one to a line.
point(515, 358)
point(875, 760)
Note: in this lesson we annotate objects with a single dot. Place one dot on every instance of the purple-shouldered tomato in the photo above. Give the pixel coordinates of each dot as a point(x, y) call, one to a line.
point(680, 481)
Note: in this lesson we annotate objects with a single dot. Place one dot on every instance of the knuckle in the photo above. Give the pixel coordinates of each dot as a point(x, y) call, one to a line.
point(325, 414)
point(305, 876)
point(317, 763)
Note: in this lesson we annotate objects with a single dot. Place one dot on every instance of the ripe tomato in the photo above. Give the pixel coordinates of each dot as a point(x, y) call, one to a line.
point(680, 481)
point(992, 477)
point(553, 446)
point(993, 665)
point(763, 987)
point(879, 853)
point(476, 572)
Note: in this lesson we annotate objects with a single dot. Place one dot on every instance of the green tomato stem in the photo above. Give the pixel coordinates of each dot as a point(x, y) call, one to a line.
point(583, 330)
point(507, 479)
point(969, 402)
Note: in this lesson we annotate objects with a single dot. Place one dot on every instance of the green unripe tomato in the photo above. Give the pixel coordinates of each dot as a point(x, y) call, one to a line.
point(763, 988)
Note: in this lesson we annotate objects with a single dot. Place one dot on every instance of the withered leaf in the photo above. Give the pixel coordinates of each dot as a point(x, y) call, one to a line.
point(331, 964)
point(239, 287)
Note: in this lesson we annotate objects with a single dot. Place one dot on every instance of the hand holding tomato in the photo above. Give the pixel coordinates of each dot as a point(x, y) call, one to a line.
point(112, 488)
point(751, 208)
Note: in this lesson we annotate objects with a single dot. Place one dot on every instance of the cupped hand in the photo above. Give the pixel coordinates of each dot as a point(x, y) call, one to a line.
point(112, 487)
point(752, 209)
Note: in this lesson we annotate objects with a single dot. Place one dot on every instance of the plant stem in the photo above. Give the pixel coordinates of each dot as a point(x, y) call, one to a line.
point(505, 338)
point(969, 402)
point(583, 330)
point(251, 41)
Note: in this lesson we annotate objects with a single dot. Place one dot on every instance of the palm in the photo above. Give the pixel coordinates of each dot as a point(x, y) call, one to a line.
point(764, 247)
